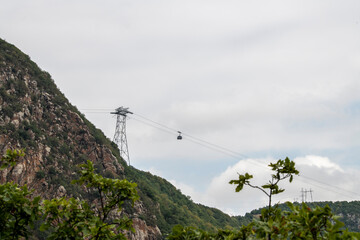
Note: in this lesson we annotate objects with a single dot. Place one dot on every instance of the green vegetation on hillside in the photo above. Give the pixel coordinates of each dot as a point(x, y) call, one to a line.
point(165, 206)
point(19, 64)
point(171, 207)
point(20, 61)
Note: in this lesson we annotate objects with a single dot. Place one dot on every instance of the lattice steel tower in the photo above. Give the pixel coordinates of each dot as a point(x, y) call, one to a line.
point(120, 132)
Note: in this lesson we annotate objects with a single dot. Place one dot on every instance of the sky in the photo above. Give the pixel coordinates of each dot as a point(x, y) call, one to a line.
point(246, 82)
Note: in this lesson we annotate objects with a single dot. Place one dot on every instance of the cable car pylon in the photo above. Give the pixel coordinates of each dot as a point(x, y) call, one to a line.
point(120, 132)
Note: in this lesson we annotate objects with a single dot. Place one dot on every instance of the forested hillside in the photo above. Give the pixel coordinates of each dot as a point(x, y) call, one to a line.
point(175, 208)
point(37, 117)
point(349, 212)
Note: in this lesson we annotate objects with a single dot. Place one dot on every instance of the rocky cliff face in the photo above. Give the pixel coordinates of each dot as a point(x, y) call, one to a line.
point(36, 116)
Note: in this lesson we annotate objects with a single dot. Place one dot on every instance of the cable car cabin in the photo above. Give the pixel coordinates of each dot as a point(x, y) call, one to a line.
point(179, 137)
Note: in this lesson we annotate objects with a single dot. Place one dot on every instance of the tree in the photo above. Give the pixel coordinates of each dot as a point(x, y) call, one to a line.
point(74, 219)
point(10, 158)
point(66, 218)
point(18, 210)
point(112, 195)
point(283, 169)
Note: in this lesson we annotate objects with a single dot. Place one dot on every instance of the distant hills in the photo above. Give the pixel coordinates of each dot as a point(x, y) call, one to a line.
point(348, 212)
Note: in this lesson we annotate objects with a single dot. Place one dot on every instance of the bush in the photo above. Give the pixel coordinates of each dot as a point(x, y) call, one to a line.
point(49, 160)
point(33, 127)
point(65, 150)
point(8, 111)
point(20, 88)
point(24, 134)
point(81, 159)
point(59, 100)
point(52, 171)
point(53, 142)
point(10, 127)
point(40, 174)
point(6, 97)
point(17, 107)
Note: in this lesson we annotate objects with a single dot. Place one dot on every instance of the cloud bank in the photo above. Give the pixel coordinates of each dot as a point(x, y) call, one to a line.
point(318, 174)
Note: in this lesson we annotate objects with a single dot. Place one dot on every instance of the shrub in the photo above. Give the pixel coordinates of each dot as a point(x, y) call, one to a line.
point(65, 150)
point(40, 174)
point(52, 171)
point(8, 111)
point(20, 88)
point(53, 142)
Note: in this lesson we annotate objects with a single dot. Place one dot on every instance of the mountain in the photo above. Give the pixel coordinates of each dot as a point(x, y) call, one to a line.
point(36, 116)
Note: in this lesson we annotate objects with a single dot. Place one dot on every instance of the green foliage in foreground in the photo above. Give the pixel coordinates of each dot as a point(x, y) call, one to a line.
point(10, 158)
point(66, 218)
point(299, 222)
point(17, 209)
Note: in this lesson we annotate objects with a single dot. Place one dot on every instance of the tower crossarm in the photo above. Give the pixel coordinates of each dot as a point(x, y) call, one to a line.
point(121, 111)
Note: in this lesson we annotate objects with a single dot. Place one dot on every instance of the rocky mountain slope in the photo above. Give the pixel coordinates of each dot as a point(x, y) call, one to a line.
point(35, 115)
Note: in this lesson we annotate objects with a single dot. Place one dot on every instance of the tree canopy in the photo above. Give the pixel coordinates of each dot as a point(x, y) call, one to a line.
point(66, 218)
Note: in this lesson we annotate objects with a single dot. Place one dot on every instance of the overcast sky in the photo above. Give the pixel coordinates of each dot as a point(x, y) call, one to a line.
point(264, 79)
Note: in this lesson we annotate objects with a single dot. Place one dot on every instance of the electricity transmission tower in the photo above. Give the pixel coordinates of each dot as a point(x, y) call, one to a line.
point(120, 132)
point(304, 194)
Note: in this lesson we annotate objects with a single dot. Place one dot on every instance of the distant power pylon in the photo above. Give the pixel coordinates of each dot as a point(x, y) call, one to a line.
point(120, 132)
point(304, 194)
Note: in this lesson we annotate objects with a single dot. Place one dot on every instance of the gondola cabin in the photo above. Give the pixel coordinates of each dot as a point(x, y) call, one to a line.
point(179, 137)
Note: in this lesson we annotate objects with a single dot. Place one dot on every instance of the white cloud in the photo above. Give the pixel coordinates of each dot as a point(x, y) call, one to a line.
point(323, 163)
point(325, 179)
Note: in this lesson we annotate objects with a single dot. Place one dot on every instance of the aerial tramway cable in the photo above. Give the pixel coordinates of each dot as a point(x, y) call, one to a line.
point(226, 151)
